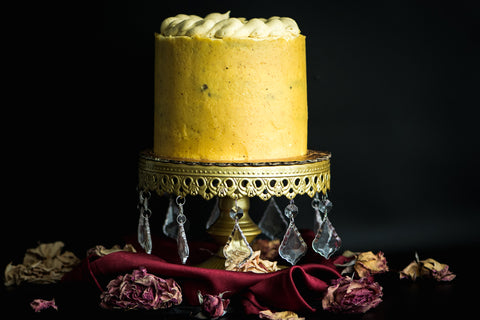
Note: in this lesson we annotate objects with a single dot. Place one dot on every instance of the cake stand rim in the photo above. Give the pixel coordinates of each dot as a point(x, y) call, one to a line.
point(312, 156)
point(208, 180)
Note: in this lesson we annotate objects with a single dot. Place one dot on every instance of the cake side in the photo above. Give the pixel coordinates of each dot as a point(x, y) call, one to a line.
point(230, 99)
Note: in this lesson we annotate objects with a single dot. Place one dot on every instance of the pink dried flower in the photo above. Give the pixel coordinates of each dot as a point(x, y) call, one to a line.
point(213, 305)
point(40, 304)
point(141, 290)
point(346, 295)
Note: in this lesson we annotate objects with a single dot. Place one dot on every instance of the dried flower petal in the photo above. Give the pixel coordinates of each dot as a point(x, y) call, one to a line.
point(368, 264)
point(41, 304)
point(43, 264)
point(346, 295)
point(213, 306)
point(141, 290)
point(101, 251)
point(428, 268)
point(282, 315)
point(411, 271)
point(253, 264)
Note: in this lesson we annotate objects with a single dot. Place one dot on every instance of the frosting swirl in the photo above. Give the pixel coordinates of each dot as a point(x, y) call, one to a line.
point(218, 25)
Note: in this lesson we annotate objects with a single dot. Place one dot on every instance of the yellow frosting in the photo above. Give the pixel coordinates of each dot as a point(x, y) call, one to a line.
point(230, 99)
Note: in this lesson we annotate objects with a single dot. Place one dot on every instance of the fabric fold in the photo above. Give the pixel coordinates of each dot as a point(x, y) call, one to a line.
point(298, 288)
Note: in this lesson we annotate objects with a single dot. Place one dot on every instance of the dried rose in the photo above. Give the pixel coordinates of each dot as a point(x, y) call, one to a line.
point(268, 248)
point(428, 268)
point(43, 264)
point(282, 315)
point(40, 304)
point(213, 305)
point(141, 290)
point(252, 264)
point(368, 264)
point(346, 295)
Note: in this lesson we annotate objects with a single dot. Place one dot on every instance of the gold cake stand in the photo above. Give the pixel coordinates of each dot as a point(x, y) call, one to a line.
point(235, 183)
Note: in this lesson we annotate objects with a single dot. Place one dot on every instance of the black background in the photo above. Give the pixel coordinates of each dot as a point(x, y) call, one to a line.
point(392, 92)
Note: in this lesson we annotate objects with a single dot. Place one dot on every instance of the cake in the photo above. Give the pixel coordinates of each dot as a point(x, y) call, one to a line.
point(230, 89)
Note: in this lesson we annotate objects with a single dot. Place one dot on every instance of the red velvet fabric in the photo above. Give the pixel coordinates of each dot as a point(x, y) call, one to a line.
point(298, 288)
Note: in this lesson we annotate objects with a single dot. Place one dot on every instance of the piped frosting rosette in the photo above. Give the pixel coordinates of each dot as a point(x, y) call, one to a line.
point(218, 26)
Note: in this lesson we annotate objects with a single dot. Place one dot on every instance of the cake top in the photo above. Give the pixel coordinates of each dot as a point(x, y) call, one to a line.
point(218, 26)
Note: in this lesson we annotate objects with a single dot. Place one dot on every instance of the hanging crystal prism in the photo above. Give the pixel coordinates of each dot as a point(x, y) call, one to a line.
point(213, 215)
point(326, 241)
point(140, 230)
point(236, 250)
point(292, 247)
point(182, 244)
point(143, 231)
point(273, 224)
point(170, 225)
point(147, 243)
point(320, 206)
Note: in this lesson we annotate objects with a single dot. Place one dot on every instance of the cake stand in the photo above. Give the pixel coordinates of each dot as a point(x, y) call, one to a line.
point(235, 183)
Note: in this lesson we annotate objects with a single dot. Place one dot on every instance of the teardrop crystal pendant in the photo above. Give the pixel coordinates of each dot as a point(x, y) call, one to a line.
point(170, 225)
point(143, 230)
point(236, 250)
point(272, 223)
point(292, 248)
point(214, 214)
point(182, 244)
point(326, 241)
point(140, 230)
point(147, 242)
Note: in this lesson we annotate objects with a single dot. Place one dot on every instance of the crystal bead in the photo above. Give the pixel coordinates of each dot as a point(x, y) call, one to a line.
point(272, 223)
point(326, 241)
point(291, 211)
point(325, 206)
point(236, 213)
point(181, 219)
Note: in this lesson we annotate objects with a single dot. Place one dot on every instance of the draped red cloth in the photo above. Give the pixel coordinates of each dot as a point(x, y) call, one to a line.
point(299, 288)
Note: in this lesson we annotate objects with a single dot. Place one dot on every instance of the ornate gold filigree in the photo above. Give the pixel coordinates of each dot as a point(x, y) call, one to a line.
point(305, 175)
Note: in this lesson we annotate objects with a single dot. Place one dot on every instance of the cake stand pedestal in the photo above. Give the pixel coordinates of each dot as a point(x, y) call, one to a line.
point(235, 182)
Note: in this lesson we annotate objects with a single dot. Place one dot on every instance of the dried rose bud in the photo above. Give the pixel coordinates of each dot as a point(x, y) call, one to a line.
point(368, 264)
point(141, 290)
point(40, 304)
point(213, 306)
point(346, 295)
